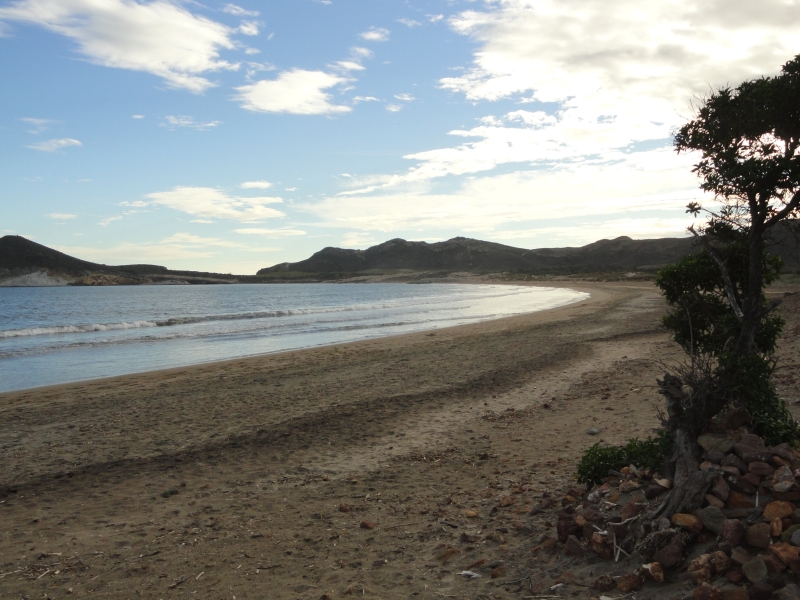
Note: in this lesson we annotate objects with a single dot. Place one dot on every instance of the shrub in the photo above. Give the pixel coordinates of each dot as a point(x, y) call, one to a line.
point(598, 460)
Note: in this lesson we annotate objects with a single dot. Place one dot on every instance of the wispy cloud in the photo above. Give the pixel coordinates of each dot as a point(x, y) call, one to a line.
point(175, 122)
point(38, 125)
point(270, 232)
point(212, 203)
point(248, 28)
point(53, 145)
point(137, 117)
point(375, 34)
point(61, 216)
point(108, 220)
point(404, 97)
point(260, 185)
point(394, 107)
point(409, 22)
point(296, 92)
point(238, 11)
point(157, 37)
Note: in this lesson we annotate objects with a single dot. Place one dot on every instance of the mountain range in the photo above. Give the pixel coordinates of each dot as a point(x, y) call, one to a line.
point(24, 262)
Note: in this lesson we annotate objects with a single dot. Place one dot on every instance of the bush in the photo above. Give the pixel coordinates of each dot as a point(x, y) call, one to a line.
point(598, 460)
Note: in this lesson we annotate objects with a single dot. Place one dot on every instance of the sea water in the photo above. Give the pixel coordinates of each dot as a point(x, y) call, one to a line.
point(63, 334)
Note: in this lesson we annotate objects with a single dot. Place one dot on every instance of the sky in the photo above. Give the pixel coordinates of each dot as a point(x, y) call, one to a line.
point(230, 137)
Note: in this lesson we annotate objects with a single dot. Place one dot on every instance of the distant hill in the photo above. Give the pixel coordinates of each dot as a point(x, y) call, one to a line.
point(465, 254)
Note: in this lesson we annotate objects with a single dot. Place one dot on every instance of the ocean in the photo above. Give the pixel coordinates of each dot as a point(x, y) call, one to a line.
point(64, 334)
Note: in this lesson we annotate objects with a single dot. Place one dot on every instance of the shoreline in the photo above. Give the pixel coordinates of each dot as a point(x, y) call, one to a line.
point(324, 345)
point(380, 468)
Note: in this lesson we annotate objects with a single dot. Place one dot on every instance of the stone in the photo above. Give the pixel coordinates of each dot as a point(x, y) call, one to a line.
point(761, 591)
point(751, 478)
point(734, 575)
point(631, 509)
point(731, 460)
point(573, 547)
point(787, 534)
point(761, 469)
point(714, 501)
point(716, 441)
point(774, 565)
point(632, 582)
point(788, 593)
point(740, 556)
point(720, 488)
point(671, 554)
point(701, 569)
point(712, 518)
point(783, 473)
point(785, 451)
point(738, 513)
point(796, 516)
point(755, 569)
point(778, 462)
point(738, 500)
point(665, 483)
point(708, 465)
point(733, 531)
point(628, 486)
point(368, 525)
point(687, 521)
point(706, 591)
point(604, 583)
point(602, 546)
point(653, 491)
point(758, 535)
point(777, 510)
point(593, 431)
point(345, 508)
point(714, 456)
point(741, 484)
point(794, 565)
point(720, 562)
point(736, 417)
point(783, 487)
point(795, 539)
point(566, 527)
point(735, 594)
point(751, 439)
point(726, 470)
point(776, 527)
point(654, 571)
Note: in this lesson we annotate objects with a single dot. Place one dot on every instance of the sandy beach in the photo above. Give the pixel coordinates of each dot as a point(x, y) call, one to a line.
point(379, 469)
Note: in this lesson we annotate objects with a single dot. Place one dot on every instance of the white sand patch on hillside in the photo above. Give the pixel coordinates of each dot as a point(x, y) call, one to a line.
point(37, 279)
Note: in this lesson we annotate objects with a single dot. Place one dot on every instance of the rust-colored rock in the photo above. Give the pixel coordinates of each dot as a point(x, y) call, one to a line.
point(344, 508)
point(628, 486)
point(602, 546)
point(671, 554)
point(470, 514)
point(784, 551)
point(733, 531)
point(735, 594)
point(777, 510)
point(761, 469)
point(701, 569)
point(720, 562)
point(631, 509)
point(368, 525)
point(654, 571)
point(720, 489)
point(758, 535)
point(706, 591)
point(573, 547)
point(734, 575)
point(738, 500)
point(604, 583)
point(714, 501)
point(773, 564)
point(498, 572)
point(632, 582)
point(687, 521)
point(776, 527)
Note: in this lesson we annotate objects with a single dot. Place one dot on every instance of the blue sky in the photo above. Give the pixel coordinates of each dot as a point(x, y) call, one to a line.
point(230, 137)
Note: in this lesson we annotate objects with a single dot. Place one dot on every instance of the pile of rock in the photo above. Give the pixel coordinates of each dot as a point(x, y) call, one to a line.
point(744, 542)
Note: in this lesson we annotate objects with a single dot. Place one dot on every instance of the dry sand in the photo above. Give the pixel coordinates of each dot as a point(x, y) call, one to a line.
point(259, 478)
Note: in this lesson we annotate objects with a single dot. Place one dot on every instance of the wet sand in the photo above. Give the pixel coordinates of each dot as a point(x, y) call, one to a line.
point(261, 477)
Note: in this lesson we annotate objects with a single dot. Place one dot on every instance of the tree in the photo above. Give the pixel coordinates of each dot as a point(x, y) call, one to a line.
point(748, 138)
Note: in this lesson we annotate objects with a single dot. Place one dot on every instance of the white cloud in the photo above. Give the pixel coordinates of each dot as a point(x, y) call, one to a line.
point(137, 116)
point(261, 185)
point(53, 145)
point(270, 232)
point(39, 125)
point(409, 22)
point(211, 203)
point(157, 37)
point(108, 220)
point(61, 216)
point(404, 97)
point(358, 99)
point(252, 51)
point(357, 239)
point(435, 18)
point(248, 28)
point(359, 53)
point(394, 107)
point(580, 234)
point(655, 180)
point(348, 65)
point(174, 122)
point(135, 204)
point(188, 239)
point(238, 11)
point(375, 34)
point(297, 92)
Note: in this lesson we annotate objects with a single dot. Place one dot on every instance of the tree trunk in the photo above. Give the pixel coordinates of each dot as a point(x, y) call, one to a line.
point(751, 304)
